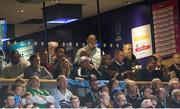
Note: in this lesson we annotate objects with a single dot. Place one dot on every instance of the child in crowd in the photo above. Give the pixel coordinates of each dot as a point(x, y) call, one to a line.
point(27, 98)
point(18, 90)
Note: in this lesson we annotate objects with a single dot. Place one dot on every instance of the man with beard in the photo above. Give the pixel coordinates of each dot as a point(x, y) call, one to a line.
point(16, 67)
point(92, 98)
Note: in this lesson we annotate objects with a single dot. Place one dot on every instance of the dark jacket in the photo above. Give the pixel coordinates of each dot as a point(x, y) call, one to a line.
point(173, 103)
point(135, 101)
point(164, 104)
point(146, 75)
point(106, 72)
point(120, 69)
point(173, 68)
point(92, 98)
point(129, 63)
point(84, 73)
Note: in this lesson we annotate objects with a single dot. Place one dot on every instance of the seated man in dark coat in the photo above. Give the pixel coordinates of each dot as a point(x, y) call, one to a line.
point(175, 67)
point(161, 67)
point(133, 96)
point(118, 65)
point(163, 101)
point(106, 72)
point(84, 70)
point(129, 60)
point(92, 98)
point(150, 72)
point(175, 99)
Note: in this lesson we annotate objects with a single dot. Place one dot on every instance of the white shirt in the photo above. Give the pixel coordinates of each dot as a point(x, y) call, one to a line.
point(95, 55)
point(58, 96)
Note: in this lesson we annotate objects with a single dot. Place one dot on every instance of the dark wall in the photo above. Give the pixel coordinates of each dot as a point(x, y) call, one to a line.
point(10, 30)
point(74, 32)
point(113, 23)
point(121, 21)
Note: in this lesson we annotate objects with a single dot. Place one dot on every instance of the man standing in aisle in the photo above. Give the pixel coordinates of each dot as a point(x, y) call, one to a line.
point(95, 52)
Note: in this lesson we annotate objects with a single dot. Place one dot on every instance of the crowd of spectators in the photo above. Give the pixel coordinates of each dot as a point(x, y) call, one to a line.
point(91, 66)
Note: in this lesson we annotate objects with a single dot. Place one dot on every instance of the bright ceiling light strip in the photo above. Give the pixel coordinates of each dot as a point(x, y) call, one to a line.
point(5, 39)
point(62, 21)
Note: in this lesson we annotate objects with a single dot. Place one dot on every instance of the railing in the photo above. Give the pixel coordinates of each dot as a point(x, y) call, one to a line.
point(75, 86)
point(70, 81)
point(12, 81)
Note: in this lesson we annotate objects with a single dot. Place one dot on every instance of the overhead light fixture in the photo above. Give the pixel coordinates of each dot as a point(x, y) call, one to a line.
point(54, 1)
point(66, 13)
point(62, 21)
point(5, 39)
point(129, 2)
point(20, 10)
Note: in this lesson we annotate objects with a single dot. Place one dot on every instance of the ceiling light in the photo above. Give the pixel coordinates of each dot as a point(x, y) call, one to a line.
point(20, 10)
point(61, 21)
point(5, 39)
point(129, 2)
point(54, 1)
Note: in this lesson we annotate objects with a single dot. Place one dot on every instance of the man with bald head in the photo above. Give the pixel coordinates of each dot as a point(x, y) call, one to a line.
point(94, 52)
point(61, 94)
point(175, 67)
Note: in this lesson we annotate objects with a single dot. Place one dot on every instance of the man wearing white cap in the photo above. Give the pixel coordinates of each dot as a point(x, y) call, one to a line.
point(84, 70)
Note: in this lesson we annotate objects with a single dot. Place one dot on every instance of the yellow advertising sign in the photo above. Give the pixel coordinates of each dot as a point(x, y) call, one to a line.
point(141, 39)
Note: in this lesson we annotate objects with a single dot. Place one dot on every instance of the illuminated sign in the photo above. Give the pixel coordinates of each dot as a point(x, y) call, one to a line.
point(142, 43)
